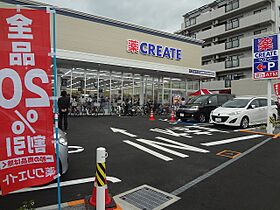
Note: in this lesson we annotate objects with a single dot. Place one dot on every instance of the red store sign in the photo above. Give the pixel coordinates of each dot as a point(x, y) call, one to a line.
point(27, 154)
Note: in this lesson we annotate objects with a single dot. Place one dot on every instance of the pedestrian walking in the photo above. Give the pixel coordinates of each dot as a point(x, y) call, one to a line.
point(63, 108)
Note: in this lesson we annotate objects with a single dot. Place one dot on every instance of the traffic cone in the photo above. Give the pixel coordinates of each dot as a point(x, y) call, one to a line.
point(100, 198)
point(172, 119)
point(152, 117)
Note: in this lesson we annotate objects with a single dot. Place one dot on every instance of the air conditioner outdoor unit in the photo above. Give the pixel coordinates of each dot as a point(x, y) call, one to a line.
point(215, 22)
point(215, 39)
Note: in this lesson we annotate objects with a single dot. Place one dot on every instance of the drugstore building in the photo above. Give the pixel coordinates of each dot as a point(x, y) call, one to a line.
point(103, 57)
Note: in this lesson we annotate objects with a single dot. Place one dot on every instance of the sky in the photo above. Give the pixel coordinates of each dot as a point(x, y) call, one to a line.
point(165, 15)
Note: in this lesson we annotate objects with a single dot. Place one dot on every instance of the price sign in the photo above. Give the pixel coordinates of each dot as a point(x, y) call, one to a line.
point(27, 154)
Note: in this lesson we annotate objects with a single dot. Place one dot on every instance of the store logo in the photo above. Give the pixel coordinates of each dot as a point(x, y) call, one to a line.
point(145, 48)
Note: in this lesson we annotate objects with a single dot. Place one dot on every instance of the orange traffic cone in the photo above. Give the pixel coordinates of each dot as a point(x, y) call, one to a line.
point(152, 115)
point(172, 119)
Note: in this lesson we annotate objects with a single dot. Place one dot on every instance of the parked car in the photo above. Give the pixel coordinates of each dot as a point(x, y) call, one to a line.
point(199, 108)
point(243, 112)
point(63, 151)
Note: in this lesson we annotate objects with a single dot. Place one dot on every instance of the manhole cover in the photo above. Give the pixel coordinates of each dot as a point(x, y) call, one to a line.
point(147, 198)
point(228, 153)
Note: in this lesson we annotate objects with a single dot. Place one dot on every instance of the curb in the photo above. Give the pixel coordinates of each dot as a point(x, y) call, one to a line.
point(70, 204)
point(63, 205)
point(257, 132)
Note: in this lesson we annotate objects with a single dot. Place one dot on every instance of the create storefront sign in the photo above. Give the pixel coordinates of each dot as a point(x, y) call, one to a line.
point(156, 50)
point(27, 154)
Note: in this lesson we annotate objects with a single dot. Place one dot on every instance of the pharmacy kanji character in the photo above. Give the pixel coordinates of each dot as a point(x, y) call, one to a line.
point(132, 46)
point(50, 171)
point(265, 44)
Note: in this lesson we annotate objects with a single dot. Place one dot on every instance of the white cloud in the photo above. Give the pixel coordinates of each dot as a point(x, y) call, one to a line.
point(164, 15)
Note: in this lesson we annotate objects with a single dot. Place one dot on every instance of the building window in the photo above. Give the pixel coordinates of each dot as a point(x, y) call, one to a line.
point(191, 21)
point(260, 31)
point(232, 43)
point(232, 5)
point(233, 61)
point(233, 23)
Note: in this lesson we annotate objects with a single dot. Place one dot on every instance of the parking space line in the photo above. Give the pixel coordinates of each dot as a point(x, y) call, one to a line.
point(215, 170)
point(64, 184)
point(226, 141)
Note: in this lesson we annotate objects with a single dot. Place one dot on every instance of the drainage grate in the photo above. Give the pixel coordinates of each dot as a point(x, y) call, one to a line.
point(147, 198)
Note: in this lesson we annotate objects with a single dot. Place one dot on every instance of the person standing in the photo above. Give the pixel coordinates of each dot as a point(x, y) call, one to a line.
point(63, 108)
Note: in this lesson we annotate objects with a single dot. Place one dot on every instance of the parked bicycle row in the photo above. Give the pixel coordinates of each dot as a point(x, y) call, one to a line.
point(87, 106)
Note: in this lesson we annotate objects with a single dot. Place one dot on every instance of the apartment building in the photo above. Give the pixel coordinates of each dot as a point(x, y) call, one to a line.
point(227, 28)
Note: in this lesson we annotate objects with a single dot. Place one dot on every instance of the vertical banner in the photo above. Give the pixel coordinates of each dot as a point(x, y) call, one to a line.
point(265, 58)
point(27, 153)
point(277, 91)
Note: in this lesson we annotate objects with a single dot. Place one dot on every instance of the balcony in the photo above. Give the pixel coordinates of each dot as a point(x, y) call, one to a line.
point(265, 16)
point(245, 42)
point(220, 12)
point(220, 66)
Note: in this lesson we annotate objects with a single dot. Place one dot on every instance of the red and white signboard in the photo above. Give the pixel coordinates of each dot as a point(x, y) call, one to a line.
point(277, 91)
point(27, 154)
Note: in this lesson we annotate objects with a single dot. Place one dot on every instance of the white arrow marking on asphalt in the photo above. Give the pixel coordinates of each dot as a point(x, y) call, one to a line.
point(118, 130)
point(64, 184)
point(226, 141)
point(75, 149)
point(180, 145)
point(170, 132)
point(145, 149)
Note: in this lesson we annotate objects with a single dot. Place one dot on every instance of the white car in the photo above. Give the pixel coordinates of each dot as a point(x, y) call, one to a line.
point(243, 112)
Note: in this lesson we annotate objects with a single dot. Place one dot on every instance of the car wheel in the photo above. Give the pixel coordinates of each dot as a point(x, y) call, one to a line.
point(202, 118)
point(244, 122)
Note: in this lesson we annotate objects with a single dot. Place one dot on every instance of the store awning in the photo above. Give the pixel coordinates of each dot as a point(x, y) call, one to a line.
point(201, 92)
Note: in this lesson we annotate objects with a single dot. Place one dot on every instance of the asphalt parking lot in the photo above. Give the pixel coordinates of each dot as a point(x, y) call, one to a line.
point(180, 159)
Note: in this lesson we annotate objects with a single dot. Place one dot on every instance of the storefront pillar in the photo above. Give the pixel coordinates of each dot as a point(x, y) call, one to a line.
point(170, 99)
point(98, 86)
point(110, 88)
point(85, 76)
point(58, 92)
point(162, 95)
point(153, 89)
point(71, 83)
point(141, 94)
point(133, 88)
point(122, 88)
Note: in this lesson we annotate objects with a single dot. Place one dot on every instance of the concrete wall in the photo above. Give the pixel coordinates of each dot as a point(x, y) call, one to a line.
point(250, 87)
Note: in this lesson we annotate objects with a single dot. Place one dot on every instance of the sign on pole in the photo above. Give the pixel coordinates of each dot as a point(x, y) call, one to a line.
point(27, 153)
point(265, 58)
point(277, 91)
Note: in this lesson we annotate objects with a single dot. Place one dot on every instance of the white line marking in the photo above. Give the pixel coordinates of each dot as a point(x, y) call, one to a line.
point(181, 145)
point(157, 145)
point(145, 149)
point(226, 141)
point(64, 184)
point(215, 170)
point(75, 149)
point(118, 130)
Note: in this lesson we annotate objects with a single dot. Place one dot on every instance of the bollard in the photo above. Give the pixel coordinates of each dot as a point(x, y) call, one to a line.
point(100, 198)
point(100, 177)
